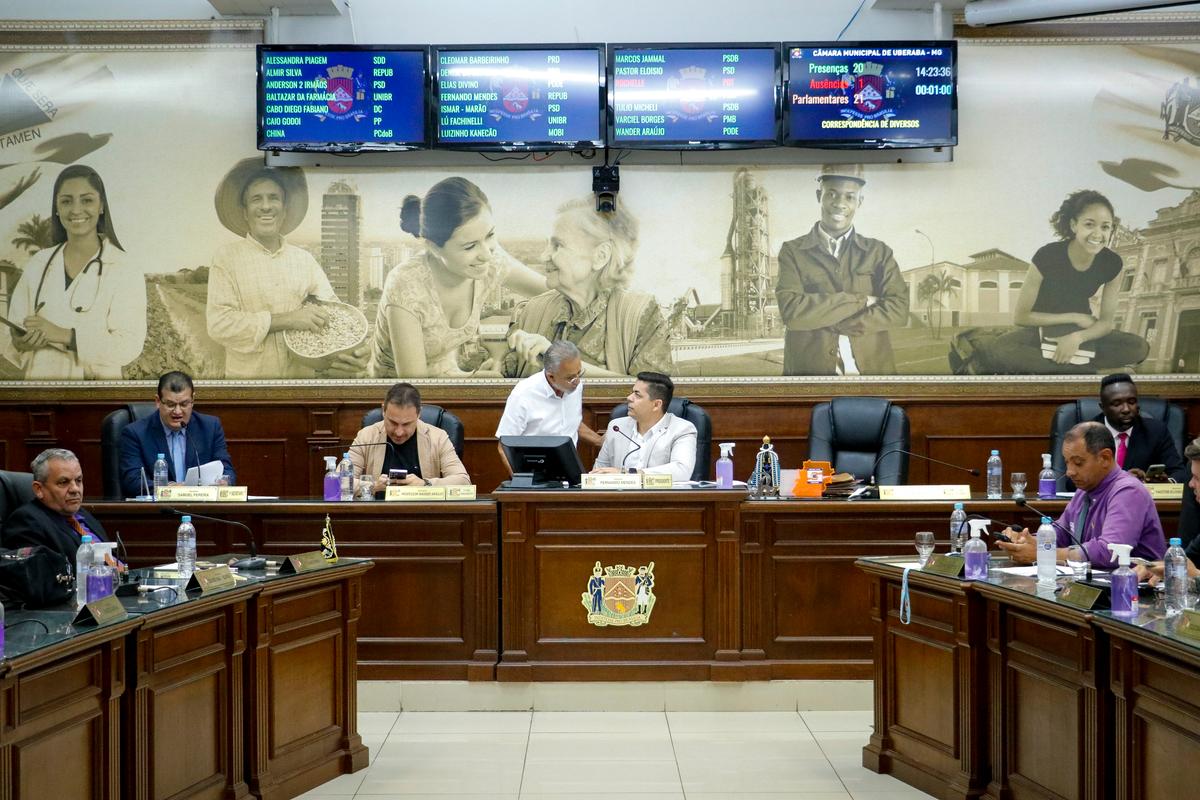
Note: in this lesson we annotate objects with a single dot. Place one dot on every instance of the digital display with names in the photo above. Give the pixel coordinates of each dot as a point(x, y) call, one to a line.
point(872, 94)
point(532, 98)
point(341, 99)
point(694, 95)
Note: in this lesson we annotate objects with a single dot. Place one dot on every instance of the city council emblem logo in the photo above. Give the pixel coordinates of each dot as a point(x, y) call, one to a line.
point(1180, 112)
point(342, 87)
point(620, 595)
point(518, 100)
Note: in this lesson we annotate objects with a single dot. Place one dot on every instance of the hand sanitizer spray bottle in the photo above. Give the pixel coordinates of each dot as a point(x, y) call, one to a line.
point(725, 466)
point(975, 551)
point(1124, 581)
point(333, 483)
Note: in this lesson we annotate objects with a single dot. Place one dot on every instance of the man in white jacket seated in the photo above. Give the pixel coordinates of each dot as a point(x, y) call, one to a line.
point(650, 439)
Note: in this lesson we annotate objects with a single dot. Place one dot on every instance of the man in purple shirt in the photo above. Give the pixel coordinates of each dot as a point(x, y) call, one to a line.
point(1110, 506)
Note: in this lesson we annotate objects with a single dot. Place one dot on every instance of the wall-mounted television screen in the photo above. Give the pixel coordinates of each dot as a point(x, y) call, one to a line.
point(870, 95)
point(516, 97)
point(344, 98)
point(693, 96)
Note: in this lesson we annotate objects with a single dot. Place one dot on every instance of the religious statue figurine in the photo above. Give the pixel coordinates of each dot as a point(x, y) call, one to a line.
point(764, 481)
point(328, 543)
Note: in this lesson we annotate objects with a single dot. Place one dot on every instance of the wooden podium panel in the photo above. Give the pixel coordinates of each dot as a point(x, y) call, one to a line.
point(301, 696)
point(60, 718)
point(553, 539)
point(185, 704)
point(432, 609)
point(930, 684)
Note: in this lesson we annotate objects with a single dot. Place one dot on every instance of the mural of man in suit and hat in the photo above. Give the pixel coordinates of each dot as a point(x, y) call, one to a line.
point(258, 285)
point(839, 292)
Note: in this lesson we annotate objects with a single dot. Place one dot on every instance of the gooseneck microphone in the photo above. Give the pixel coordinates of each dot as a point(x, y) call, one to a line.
point(1023, 503)
point(636, 445)
point(872, 490)
point(187, 444)
point(253, 562)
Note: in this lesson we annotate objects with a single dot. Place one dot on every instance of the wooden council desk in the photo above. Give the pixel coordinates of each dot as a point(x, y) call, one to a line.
point(997, 689)
point(248, 691)
point(744, 590)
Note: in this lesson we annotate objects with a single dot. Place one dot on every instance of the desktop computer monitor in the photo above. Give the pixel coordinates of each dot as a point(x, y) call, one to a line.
point(542, 461)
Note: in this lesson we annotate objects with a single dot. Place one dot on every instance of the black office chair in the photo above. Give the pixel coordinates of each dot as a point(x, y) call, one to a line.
point(16, 489)
point(851, 433)
point(686, 409)
point(110, 445)
point(1068, 415)
point(433, 415)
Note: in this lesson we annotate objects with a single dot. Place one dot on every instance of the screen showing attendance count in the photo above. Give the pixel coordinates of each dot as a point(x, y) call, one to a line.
point(514, 98)
point(702, 96)
point(341, 99)
point(871, 94)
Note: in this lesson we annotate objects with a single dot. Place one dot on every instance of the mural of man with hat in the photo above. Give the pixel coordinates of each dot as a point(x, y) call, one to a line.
point(839, 292)
point(257, 286)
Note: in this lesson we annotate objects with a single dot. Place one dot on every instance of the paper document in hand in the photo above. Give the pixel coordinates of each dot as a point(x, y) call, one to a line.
point(206, 475)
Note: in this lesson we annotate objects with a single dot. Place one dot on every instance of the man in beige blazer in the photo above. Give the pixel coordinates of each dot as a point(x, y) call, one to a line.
point(403, 441)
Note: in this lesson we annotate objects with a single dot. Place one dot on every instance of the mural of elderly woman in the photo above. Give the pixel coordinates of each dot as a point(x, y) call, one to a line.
point(1055, 301)
point(431, 304)
point(81, 304)
point(589, 262)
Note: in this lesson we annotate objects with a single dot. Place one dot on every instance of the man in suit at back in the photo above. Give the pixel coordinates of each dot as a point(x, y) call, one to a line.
point(55, 517)
point(186, 437)
point(1141, 441)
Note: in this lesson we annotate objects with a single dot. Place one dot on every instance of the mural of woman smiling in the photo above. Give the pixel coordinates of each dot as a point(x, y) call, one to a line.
point(431, 304)
point(81, 304)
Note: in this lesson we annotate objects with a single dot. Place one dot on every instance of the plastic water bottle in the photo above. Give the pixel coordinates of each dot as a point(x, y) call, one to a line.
point(185, 548)
point(995, 477)
point(1047, 480)
point(346, 479)
point(1047, 553)
point(958, 528)
point(1175, 577)
point(84, 557)
point(160, 473)
point(333, 482)
point(976, 554)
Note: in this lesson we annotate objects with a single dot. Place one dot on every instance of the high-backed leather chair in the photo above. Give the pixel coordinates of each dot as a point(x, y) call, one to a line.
point(1068, 415)
point(851, 433)
point(686, 409)
point(16, 489)
point(433, 415)
point(110, 445)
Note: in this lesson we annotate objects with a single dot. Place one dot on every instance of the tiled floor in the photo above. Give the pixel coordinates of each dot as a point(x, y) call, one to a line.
point(546, 755)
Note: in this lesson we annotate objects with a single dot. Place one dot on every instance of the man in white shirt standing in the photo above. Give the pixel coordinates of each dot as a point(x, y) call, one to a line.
point(651, 439)
point(550, 402)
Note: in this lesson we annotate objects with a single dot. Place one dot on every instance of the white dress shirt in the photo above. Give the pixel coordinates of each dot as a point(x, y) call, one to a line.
point(669, 446)
point(533, 409)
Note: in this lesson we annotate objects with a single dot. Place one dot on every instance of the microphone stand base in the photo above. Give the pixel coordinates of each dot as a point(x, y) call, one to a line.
point(253, 562)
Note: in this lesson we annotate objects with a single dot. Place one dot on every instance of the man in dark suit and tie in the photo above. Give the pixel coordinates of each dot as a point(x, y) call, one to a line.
point(1141, 441)
point(55, 517)
point(186, 437)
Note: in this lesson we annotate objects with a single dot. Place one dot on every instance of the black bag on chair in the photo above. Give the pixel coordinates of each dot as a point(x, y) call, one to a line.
point(34, 577)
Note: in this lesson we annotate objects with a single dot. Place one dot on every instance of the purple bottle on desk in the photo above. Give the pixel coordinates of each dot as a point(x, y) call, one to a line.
point(332, 483)
point(1047, 480)
point(1124, 582)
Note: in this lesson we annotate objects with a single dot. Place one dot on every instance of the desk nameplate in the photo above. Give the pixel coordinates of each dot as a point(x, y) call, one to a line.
point(611, 480)
point(214, 579)
point(303, 562)
point(232, 494)
point(1189, 625)
point(1165, 491)
point(944, 564)
point(932, 491)
point(414, 493)
point(657, 480)
point(188, 494)
point(460, 492)
point(101, 612)
point(1080, 595)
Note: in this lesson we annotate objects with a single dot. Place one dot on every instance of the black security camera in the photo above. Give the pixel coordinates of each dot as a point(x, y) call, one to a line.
point(606, 182)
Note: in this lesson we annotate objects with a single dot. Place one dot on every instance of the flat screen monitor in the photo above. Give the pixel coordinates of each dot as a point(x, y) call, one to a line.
point(518, 97)
point(870, 95)
point(707, 97)
point(552, 460)
point(345, 98)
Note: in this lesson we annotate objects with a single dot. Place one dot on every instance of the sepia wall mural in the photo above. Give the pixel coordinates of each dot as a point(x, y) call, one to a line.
point(140, 231)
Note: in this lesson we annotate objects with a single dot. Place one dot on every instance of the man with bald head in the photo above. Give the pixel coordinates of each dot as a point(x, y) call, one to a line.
point(1110, 506)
